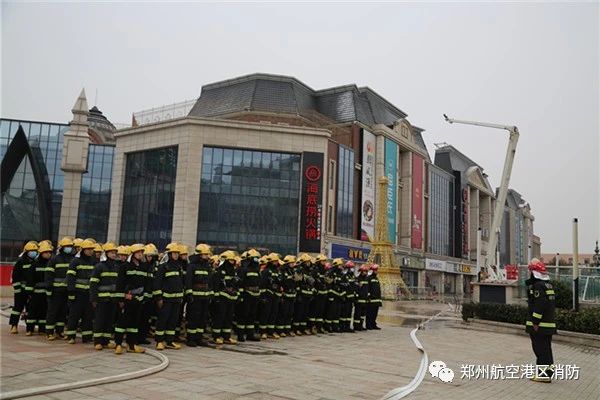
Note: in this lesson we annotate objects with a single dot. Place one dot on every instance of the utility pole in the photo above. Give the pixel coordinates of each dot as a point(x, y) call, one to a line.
point(575, 265)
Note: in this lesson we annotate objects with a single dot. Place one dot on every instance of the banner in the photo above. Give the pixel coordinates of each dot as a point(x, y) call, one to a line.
point(435, 265)
point(391, 166)
point(416, 241)
point(312, 194)
point(349, 253)
point(367, 222)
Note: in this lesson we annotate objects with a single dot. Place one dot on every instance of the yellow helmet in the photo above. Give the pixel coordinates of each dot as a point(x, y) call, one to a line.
point(228, 255)
point(65, 242)
point(252, 253)
point(30, 246)
point(203, 249)
point(87, 244)
point(123, 250)
point(263, 260)
point(320, 257)
point(238, 259)
point(91, 239)
point(289, 259)
point(109, 246)
point(77, 242)
point(183, 249)
point(150, 250)
point(304, 258)
point(273, 257)
point(172, 248)
point(134, 248)
point(98, 248)
point(45, 246)
point(337, 262)
point(214, 259)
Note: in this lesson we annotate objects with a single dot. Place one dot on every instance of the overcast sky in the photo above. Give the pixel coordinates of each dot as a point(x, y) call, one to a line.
point(528, 64)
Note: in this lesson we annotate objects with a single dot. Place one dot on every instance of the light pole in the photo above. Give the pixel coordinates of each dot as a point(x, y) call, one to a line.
point(503, 190)
point(597, 255)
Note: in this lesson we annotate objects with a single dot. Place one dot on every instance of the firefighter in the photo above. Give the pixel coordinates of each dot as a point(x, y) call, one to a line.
point(78, 286)
point(247, 312)
point(168, 295)
point(98, 252)
point(224, 283)
point(336, 293)
point(288, 286)
point(270, 297)
point(540, 319)
point(19, 283)
point(56, 282)
point(362, 297)
point(36, 288)
point(183, 263)
point(132, 284)
point(122, 255)
point(148, 317)
point(347, 283)
point(374, 298)
point(320, 296)
point(104, 296)
point(198, 293)
point(304, 292)
point(77, 245)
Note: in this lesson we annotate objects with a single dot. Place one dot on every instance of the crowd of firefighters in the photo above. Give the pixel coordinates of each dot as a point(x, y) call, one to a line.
point(114, 294)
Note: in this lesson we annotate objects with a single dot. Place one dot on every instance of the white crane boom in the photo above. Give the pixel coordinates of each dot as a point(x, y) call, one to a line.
point(503, 189)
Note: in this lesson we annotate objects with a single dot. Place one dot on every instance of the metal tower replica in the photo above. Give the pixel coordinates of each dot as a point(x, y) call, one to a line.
point(381, 250)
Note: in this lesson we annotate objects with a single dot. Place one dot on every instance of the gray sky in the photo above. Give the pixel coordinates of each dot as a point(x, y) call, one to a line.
point(529, 64)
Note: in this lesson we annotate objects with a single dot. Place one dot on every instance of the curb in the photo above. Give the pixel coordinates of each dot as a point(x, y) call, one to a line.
point(584, 339)
point(164, 363)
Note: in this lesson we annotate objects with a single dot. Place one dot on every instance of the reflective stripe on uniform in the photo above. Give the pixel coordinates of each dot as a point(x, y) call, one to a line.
point(84, 267)
point(536, 315)
point(542, 324)
point(200, 272)
point(115, 274)
point(172, 273)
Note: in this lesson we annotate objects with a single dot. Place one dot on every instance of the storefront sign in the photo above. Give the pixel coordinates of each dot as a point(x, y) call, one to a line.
point(465, 222)
point(367, 221)
point(391, 165)
point(312, 194)
point(416, 241)
point(435, 265)
point(349, 253)
point(467, 269)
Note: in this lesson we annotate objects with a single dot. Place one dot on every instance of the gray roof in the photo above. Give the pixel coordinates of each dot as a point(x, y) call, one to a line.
point(285, 94)
point(450, 159)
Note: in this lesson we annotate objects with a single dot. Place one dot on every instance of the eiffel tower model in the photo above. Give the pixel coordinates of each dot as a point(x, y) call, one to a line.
point(381, 250)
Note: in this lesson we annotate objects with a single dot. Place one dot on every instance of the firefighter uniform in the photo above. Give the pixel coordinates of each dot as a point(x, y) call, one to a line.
point(19, 283)
point(56, 281)
point(198, 293)
point(288, 297)
point(320, 295)
point(132, 283)
point(540, 319)
point(348, 284)
point(168, 293)
point(270, 296)
point(148, 306)
point(362, 298)
point(334, 297)
point(37, 289)
point(104, 296)
point(224, 283)
point(247, 312)
point(304, 294)
point(374, 299)
point(78, 285)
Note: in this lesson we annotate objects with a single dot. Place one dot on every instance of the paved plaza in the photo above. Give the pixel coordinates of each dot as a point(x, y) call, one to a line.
point(363, 365)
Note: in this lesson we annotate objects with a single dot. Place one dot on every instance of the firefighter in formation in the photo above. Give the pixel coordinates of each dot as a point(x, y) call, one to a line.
point(119, 297)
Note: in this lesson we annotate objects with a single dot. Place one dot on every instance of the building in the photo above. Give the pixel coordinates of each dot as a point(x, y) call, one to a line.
point(34, 184)
point(517, 244)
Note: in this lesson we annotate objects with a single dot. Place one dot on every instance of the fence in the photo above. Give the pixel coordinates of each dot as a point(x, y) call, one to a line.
point(589, 280)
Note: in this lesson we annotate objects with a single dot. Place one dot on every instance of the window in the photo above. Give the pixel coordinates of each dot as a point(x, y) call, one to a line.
point(331, 174)
point(345, 192)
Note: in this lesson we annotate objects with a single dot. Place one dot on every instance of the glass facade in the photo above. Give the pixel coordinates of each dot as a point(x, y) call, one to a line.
point(20, 211)
point(249, 199)
point(345, 192)
point(148, 196)
point(94, 199)
point(441, 214)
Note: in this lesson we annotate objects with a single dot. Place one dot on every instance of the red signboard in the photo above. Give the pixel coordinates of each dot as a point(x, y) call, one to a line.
point(416, 241)
point(312, 193)
point(5, 274)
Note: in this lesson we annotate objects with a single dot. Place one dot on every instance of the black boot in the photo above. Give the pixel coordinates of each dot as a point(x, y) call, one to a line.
point(241, 337)
point(191, 343)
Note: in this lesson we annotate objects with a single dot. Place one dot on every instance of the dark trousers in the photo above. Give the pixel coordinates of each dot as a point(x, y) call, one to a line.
point(360, 309)
point(332, 314)
point(247, 314)
point(284, 315)
point(372, 311)
point(20, 301)
point(317, 310)
point(57, 312)
point(542, 348)
point(346, 314)
point(223, 317)
point(36, 312)
point(80, 309)
point(300, 313)
point(128, 322)
point(269, 308)
point(197, 316)
point(103, 322)
point(145, 320)
point(168, 316)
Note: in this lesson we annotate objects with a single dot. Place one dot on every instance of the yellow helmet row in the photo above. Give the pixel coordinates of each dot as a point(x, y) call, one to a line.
point(77, 242)
point(273, 257)
point(134, 248)
point(87, 244)
point(110, 246)
point(252, 253)
point(304, 258)
point(45, 246)
point(30, 246)
point(289, 259)
point(67, 241)
point(123, 250)
point(98, 248)
point(228, 255)
point(320, 257)
point(172, 248)
point(337, 262)
point(203, 249)
point(150, 250)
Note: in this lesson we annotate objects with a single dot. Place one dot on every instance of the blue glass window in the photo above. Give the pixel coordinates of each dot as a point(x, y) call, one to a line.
point(345, 192)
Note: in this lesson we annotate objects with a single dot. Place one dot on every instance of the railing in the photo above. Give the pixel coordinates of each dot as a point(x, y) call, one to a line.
point(589, 280)
point(164, 113)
